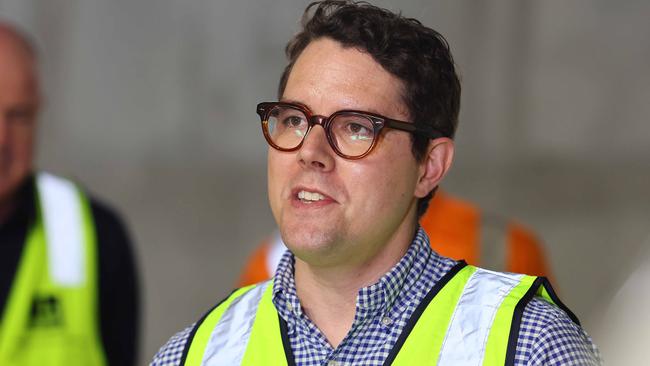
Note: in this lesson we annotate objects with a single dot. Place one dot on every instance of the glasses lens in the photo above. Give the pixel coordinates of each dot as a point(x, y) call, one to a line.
point(287, 126)
point(352, 133)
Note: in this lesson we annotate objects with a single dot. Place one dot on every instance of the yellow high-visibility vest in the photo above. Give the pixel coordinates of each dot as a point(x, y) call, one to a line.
point(470, 317)
point(52, 315)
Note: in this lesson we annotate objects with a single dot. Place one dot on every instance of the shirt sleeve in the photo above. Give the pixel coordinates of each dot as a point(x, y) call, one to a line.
point(548, 336)
point(170, 354)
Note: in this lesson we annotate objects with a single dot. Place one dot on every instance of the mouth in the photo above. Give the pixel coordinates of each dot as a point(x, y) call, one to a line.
point(311, 197)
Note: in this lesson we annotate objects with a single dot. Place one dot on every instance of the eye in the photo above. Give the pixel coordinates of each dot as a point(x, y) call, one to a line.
point(294, 121)
point(289, 118)
point(358, 130)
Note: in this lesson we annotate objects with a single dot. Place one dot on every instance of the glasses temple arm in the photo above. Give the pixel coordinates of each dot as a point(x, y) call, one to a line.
point(428, 131)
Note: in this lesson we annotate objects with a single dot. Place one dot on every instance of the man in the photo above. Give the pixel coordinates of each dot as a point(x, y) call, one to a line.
point(68, 292)
point(359, 141)
point(456, 228)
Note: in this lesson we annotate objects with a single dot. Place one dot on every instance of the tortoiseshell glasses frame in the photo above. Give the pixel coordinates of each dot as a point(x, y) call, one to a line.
point(352, 134)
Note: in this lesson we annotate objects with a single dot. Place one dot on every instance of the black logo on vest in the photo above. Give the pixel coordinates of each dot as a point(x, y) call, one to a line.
point(46, 312)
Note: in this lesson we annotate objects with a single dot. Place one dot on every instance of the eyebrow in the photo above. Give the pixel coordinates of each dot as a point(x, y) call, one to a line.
point(284, 100)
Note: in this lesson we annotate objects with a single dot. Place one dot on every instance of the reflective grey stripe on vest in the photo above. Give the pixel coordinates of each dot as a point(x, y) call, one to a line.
point(466, 337)
point(229, 338)
point(64, 229)
point(493, 242)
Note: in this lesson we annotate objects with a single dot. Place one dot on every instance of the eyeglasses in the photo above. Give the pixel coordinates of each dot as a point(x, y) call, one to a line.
point(351, 134)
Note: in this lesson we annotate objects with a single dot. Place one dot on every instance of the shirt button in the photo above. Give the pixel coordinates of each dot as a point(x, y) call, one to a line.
point(333, 363)
point(386, 321)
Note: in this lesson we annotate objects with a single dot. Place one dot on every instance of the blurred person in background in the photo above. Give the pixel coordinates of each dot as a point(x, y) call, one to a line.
point(456, 228)
point(68, 287)
point(359, 141)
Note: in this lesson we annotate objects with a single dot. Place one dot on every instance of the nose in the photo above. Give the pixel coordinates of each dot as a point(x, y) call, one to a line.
point(315, 152)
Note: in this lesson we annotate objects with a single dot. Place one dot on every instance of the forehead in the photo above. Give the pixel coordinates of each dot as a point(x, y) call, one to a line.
point(328, 77)
point(17, 71)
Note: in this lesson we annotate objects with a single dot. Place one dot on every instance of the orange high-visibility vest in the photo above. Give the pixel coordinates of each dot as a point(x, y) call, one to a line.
point(456, 229)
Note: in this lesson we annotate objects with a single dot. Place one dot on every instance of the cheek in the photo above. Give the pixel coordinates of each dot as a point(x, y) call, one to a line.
point(271, 174)
point(278, 165)
point(383, 188)
point(393, 182)
point(22, 145)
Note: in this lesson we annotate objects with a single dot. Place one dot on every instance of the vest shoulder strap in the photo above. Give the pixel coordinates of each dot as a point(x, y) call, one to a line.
point(269, 341)
point(422, 338)
point(214, 331)
point(540, 287)
point(473, 319)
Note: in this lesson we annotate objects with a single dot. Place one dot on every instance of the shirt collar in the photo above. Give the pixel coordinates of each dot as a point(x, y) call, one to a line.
point(284, 283)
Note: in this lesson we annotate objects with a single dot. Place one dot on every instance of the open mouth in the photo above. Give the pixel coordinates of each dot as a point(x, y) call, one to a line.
point(310, 197)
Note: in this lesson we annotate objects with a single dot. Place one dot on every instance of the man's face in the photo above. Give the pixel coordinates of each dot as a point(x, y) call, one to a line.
point(18, 110)
point(364, 202)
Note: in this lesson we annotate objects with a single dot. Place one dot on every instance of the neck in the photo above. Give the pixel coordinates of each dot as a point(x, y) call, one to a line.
point(328, 294)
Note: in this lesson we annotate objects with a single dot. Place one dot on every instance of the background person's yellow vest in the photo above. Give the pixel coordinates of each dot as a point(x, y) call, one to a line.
point(51, 317)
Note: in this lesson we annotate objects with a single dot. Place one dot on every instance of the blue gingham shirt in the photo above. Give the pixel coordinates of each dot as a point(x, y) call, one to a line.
point(547, 335)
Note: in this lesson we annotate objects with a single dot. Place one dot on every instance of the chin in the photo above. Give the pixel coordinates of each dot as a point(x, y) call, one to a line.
point(309, 243)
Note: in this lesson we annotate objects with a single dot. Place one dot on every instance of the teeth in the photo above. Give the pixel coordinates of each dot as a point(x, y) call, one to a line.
point(310, 196)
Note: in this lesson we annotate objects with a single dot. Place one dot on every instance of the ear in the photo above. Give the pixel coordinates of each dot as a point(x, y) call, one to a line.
point(434, 165)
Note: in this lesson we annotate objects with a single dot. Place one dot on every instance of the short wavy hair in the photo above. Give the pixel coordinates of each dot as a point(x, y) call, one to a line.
point(417, 55)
